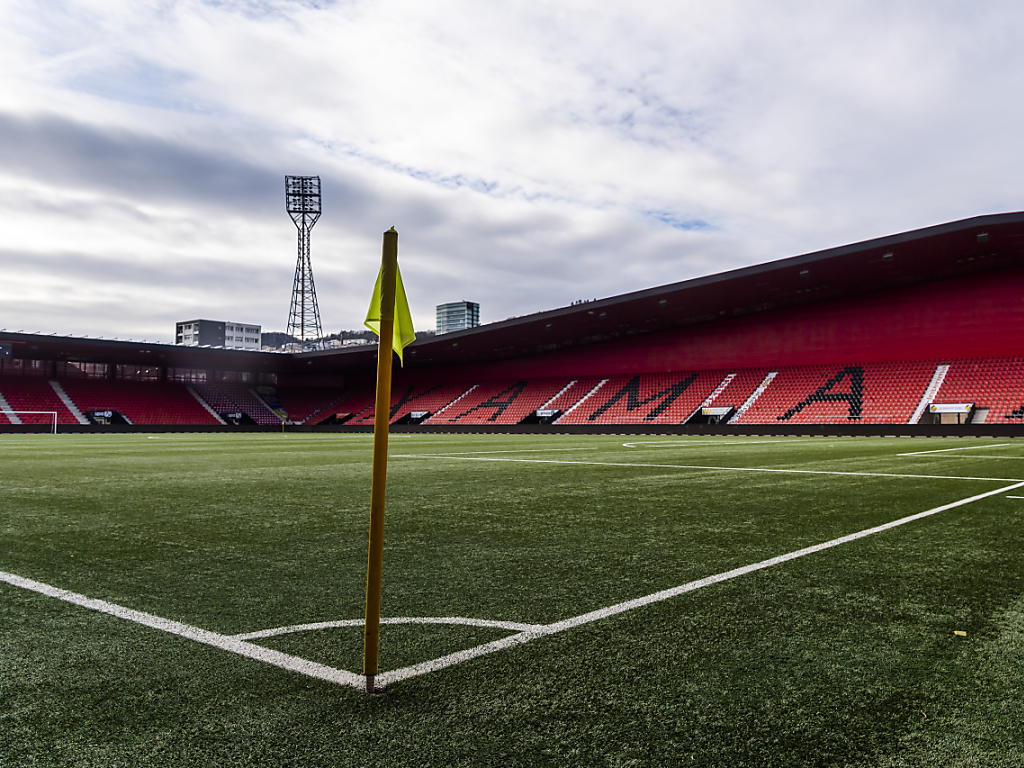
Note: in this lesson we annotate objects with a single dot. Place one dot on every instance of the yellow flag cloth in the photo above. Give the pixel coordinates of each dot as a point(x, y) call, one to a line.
point(404, 334)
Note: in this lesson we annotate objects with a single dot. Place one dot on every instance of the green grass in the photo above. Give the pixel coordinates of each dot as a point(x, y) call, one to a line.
point(844, 657)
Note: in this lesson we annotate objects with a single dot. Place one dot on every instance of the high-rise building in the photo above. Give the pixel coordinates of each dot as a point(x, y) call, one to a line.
point(215, 333)
point(457, 316)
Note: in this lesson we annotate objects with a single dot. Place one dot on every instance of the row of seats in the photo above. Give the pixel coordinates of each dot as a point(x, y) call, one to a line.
point(305, 405)
point(869, 393)
point(658, 398)
point(33, 394)
point(409, 399)
point(229, 397)
point(994, 384)
point(156, 402)
point(142, 402)
point(873, 393)
point(502, 402)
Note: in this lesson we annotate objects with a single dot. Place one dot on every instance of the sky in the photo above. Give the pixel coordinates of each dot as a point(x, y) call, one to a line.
point(529, 154)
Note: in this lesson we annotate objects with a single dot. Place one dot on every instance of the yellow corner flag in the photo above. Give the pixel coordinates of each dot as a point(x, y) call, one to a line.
point(404, 334)
point(388, 316)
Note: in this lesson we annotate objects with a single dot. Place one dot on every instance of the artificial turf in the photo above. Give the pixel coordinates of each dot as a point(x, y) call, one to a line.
point(844, 657)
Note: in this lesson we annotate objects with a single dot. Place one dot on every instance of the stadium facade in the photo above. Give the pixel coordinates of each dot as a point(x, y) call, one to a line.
point(873, 333)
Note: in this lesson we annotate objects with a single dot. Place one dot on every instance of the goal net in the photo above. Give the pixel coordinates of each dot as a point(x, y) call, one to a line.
point(15, 417)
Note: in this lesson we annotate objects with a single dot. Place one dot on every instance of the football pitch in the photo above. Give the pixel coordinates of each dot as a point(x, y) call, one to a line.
point(182, 599)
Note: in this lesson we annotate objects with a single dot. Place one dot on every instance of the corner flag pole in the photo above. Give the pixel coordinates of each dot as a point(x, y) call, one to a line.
point(381, 418)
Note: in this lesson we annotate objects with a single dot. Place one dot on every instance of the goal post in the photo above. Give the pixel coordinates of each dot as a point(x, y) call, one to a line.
point(52, 414)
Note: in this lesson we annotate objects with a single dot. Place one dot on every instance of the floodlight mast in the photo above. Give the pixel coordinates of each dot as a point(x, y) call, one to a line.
point(302, 200)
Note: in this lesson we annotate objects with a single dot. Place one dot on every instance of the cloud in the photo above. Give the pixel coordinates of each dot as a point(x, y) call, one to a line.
point(68, 153)
point(529, 155)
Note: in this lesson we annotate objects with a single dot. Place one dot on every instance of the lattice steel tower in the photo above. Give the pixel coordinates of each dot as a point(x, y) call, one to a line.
point(302, 199)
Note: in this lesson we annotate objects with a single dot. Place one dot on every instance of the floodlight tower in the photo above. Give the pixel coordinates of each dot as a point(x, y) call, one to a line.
point(302, 199)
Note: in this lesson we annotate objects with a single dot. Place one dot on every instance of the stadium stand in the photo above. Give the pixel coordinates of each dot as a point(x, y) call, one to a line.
point(653, 398)
point(872, 393)
point(406, 399)
point(141, 402)
point(501, 402)
point(737, 389)
point(305, 404)
point(994, 385)
point(230, 397)
point(353, 403)
point(867, 393)
point(572, 393)
point(24, 393)
point(867, 333)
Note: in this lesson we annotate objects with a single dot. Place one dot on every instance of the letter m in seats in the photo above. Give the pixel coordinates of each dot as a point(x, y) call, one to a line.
point(631, 391)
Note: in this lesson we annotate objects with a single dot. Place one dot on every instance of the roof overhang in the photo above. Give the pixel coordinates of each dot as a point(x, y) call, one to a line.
point(942, 252)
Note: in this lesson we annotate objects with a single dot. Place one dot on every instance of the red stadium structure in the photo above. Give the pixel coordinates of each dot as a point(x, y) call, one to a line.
point(923, 327)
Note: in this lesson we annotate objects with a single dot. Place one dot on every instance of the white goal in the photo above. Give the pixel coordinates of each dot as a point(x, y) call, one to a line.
point(18, 414)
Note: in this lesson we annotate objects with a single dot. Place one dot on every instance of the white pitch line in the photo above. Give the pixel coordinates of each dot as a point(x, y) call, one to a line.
point(701, 467)
point(224, 642)
point(705, 442)
point(947, 450)
point(982, 456)
point(523, 450)
point(512, 626)
point(387, 678)
point(343, 677)
point(612, 610)
point(1015, 497)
